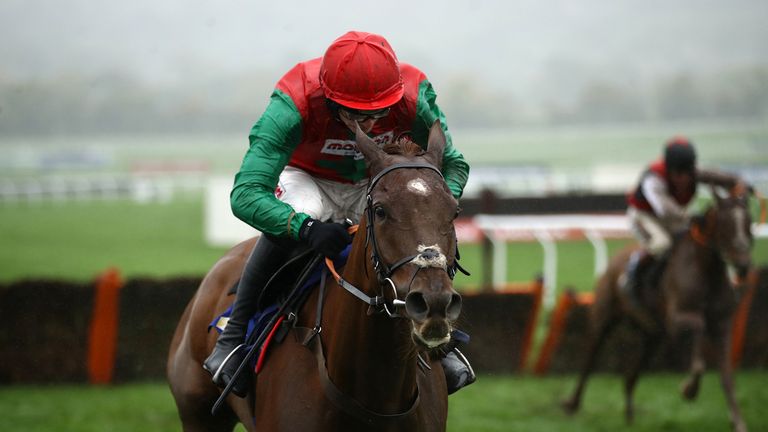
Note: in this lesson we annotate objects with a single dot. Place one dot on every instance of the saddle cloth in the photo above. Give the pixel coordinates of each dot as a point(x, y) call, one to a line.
point(261, 318)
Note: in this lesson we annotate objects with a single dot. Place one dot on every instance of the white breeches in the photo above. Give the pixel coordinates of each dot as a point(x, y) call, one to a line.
point(320, 198)
point(649, 231)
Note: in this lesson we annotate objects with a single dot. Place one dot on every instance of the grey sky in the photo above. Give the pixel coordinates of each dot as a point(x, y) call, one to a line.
point(504, 44)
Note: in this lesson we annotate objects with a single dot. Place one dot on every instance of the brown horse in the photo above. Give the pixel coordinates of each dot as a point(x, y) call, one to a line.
point(365, 370)
point(694, 298)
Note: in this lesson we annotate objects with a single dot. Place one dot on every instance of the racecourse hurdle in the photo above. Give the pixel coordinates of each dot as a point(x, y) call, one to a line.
point(547, 230)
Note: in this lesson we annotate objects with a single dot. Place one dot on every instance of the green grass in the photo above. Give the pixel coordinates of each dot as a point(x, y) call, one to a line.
point(494, 403)
point(135, 407)
point(76, 241)
point(528, 403)
point(79, 240)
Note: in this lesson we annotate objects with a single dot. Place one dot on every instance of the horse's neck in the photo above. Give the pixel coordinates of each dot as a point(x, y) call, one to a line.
point(705, 252)
point(367, 351)
point(701, 262)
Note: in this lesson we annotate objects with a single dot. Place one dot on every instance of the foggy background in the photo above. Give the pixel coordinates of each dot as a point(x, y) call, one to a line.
point(83, 67)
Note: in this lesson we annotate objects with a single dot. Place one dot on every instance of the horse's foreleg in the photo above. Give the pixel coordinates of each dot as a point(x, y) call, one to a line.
point(692, 324)
point(195, 395)
point(572, 404)
point(723, 346)
point(649, 346)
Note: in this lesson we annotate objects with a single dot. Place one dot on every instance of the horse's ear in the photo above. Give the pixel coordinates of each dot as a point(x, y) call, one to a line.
point(374, 156)
point(436, 144)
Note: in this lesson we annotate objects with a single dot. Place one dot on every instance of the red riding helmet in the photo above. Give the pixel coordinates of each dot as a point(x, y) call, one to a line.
point(679, 155)
point(360, 71)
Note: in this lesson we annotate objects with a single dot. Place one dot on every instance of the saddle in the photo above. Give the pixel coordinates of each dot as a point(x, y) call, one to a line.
point(273, 297)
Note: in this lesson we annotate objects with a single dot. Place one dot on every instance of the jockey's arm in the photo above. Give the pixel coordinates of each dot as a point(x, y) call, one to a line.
point(455, 168)
point(272, 141)
point(718, 178)
point(672, 215)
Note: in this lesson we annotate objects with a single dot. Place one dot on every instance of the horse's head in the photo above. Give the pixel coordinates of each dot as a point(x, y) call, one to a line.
point(410, 232)
point(730, 224)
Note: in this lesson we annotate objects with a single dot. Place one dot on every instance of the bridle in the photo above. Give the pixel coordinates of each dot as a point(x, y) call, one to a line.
point(383, 270)
point(703, 231)
point(377, 303)
point(703, 238)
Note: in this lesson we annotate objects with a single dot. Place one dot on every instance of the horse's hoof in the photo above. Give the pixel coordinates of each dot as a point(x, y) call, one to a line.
point(739, 426)
point(689, 390)
point(570, 406)
point(629, 416)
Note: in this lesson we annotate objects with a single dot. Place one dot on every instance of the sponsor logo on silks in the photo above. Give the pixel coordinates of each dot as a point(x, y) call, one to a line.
point(279, 191)
point(349, 148)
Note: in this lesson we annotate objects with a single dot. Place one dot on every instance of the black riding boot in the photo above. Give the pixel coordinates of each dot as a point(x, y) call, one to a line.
point(637, 266)
point(654, 268)
point(267, 256)
point(458, 371)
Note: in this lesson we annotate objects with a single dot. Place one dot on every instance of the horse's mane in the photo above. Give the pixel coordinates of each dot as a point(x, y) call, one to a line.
point(403, 146)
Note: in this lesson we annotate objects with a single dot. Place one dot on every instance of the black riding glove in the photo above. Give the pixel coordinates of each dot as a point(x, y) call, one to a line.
point(328, 238)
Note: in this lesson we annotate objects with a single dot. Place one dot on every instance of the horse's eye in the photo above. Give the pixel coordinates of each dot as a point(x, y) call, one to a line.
point(380, 212)
point(458, 211)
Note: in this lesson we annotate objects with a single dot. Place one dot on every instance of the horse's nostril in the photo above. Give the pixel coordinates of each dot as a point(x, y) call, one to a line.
point(416, 306)
point(454, 307)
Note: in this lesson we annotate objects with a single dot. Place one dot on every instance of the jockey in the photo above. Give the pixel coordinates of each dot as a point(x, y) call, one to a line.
point(302, 175)
point(657, 207)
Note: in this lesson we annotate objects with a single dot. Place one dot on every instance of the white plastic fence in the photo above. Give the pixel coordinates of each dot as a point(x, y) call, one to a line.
point(139, 188)
point(547, 230)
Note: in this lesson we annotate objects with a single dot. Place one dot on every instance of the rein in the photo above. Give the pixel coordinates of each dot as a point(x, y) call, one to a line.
point(314, 342)
point(703, 236)
point(312, 338)
point(699, 237)
point(701, 232)
point(376, 301)
point(357, 292)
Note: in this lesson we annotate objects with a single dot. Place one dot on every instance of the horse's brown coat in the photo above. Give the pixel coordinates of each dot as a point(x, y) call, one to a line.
point(371, 358)
point(694, 298)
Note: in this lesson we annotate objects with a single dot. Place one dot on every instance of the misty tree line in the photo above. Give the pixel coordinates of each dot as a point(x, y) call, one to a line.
point(117, 104)
point(735, 94)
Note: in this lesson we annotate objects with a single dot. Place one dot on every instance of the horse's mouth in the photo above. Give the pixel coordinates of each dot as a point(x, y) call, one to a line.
point(431, 335)
point(741, 264)
point(432, 343)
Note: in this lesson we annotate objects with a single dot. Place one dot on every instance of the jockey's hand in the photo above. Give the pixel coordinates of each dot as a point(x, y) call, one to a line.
point(751, 189)
point(742, 188)
point(327, 238)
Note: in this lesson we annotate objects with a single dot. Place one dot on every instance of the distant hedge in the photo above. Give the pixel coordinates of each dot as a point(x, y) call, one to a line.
point(46, 332)
point(45, 337)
